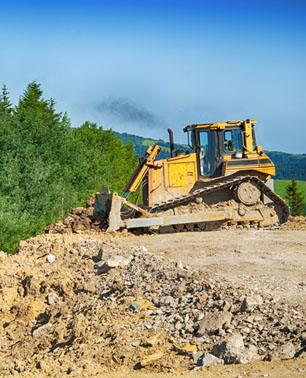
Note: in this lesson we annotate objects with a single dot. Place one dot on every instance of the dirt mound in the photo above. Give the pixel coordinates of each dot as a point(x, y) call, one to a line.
point(80, 219)
point(295, 223)
point(82, 307)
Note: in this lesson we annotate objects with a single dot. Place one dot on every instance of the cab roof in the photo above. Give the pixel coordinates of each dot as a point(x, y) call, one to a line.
point(216, 125)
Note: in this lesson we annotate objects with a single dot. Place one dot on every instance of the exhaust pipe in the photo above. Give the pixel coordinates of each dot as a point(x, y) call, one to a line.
point(171, 142)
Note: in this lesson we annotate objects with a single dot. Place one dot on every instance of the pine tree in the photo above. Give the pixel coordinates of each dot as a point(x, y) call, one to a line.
point(295, 198)
point(5, 104)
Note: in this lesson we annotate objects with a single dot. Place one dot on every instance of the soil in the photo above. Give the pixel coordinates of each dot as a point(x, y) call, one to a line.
point(65, 312)
point(273, 261)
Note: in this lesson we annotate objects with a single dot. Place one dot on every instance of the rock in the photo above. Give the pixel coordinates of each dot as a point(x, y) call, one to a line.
point(187, 348)
point(209, 359)
point(52, 299)
point(113, 262)
point(91, 248)
point(151, 358)
point(197, 358)
point(67, 220)
point(283, 352)
point(229, 350)
point(233, 351)
point(249, 354)
point(226, 306)
point(77, 210)
point(213, 322)
point(202, 298)
point(50, 258)
point(250, 302)
point(142, 304)
point(167, 301)
point(41, 330)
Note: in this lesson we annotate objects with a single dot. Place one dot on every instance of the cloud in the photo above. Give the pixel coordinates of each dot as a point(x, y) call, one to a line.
point(124, 110)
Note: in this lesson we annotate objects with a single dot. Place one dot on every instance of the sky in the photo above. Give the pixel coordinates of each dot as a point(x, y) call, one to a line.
point(141, 67)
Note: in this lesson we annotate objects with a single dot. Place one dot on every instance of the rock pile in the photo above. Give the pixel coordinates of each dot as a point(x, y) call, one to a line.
point(78, 220)
point(94, 307)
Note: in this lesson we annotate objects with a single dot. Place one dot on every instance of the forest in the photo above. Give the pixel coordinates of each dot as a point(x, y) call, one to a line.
point(48, 167)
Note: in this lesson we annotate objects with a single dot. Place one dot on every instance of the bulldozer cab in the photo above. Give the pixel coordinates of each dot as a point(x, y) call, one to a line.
point(212, 142)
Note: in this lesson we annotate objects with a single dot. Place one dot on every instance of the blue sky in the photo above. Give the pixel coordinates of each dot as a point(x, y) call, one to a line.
point(143, 66)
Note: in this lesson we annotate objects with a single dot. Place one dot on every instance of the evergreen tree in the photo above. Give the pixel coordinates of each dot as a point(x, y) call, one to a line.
point(295, 198)
point(5, 104)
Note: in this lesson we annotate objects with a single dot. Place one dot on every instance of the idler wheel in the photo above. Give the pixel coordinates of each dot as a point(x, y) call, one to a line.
point(248, 193)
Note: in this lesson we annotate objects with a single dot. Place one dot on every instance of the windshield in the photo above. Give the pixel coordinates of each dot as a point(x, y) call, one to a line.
point(233, 140)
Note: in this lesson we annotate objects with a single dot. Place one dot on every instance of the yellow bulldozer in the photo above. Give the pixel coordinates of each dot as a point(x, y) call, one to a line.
point(224, 180)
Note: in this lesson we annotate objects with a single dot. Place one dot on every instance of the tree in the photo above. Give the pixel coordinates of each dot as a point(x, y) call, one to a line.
point(295, 198)
point(5, 104)
point(102, 159)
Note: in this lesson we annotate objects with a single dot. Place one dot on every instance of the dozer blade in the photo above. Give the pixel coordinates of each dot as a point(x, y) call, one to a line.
point(109, 206)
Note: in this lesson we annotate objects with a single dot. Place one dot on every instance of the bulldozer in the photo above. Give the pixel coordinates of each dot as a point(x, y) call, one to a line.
point(222, 180)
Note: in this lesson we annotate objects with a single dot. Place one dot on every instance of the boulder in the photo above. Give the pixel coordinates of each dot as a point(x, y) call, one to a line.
point(212, 322)
point(250, 302)
point(113, 262)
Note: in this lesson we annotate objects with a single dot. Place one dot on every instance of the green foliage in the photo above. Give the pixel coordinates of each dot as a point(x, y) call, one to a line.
point(295, 198)
point(289, 165)
point(47, 167)
point(5, 104)
point(281, 185)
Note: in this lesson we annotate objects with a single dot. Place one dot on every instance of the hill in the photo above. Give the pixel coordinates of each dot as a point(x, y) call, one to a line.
point(141, 144)
point(288, 166)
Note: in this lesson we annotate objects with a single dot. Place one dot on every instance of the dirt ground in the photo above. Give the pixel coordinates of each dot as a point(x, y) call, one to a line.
point(269, 261)
point(52, 311)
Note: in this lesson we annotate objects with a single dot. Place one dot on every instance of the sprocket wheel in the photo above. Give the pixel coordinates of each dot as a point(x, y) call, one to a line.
point(248, 193)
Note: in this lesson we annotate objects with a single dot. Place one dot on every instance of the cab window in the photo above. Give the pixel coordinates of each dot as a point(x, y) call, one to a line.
point(207, 152)
point(233, 140)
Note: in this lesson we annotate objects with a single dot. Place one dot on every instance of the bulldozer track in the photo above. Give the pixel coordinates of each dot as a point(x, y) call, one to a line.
point(181, 200)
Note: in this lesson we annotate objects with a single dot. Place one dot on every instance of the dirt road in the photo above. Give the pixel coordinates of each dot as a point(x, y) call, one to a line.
point(269, 261)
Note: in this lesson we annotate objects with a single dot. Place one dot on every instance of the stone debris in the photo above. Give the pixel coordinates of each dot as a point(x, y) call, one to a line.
point(41, 330)
point(50, 258)
point(209, 359)
point(113, 262)
point(52, 299)
point(251, 302)
point(213, 322)
point(283, 352)
point(151, 358)
point(110, 308)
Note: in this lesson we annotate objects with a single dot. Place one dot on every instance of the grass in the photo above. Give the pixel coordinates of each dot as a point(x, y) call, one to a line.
point(280, 188)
